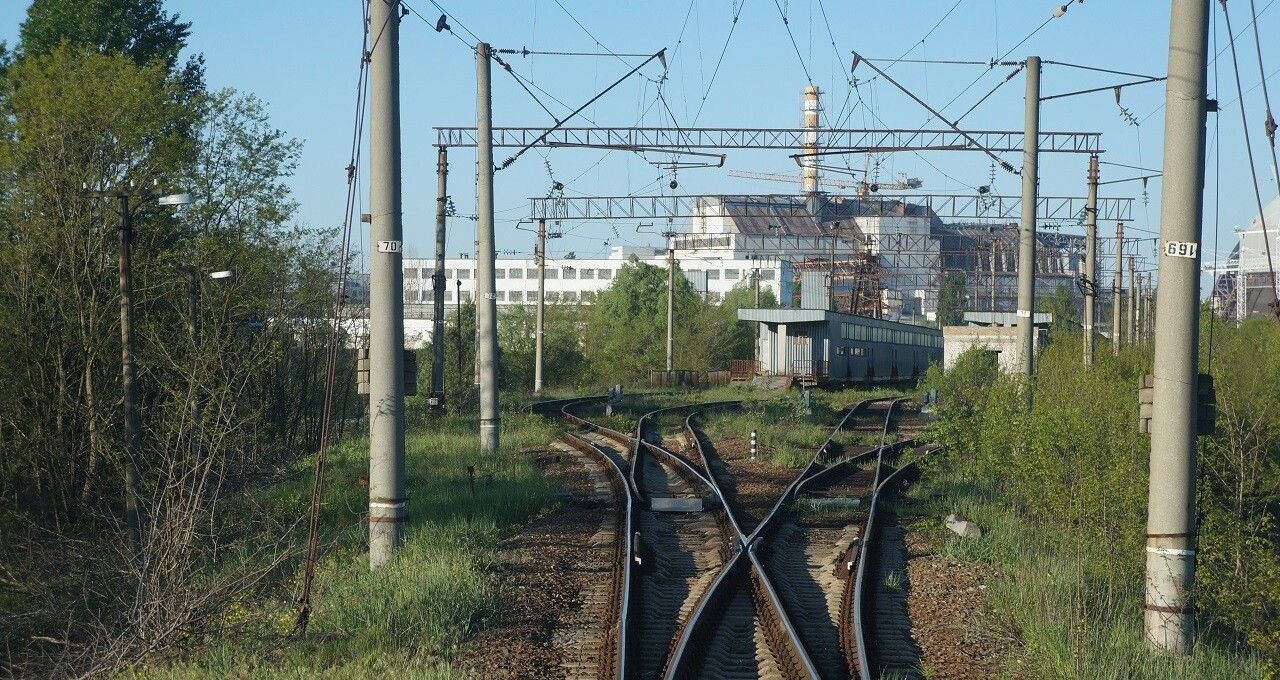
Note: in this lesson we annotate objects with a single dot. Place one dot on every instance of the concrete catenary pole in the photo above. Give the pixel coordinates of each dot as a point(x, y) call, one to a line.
point(1117, 287)
point(437, 280)
point(1027, 226)
point(486, 254)
point(1090, 258)
point(1131, 318)
point(387, 511)
point(1170, 549)
point(541, 256)
point(671, 305)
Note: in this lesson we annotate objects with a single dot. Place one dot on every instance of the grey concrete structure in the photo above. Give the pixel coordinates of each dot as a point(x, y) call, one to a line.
point(822, 346)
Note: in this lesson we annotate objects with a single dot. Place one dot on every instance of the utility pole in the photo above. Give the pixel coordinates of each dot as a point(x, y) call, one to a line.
point(1090, 258)
point(993, 271)
point(1027, 227)
point(1132, 317)
point(671, 303)
point(457, 308)
point(1170, 549)
point(387, 499)
point(831, 277)
point(755, 329)
point(486, 254)
point(128, 364)
point(1117, 285)
point(437, 280)
point(129, 381)
point(541, 256)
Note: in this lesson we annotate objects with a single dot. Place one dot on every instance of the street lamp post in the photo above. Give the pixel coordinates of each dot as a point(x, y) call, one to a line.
point(128, 365)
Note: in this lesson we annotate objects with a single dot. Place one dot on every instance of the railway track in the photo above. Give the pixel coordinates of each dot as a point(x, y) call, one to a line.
point(714, 583)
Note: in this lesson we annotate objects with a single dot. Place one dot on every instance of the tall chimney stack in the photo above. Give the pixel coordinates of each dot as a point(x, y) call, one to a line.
point(809, 164)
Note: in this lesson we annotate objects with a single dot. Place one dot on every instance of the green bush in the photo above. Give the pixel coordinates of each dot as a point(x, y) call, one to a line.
point(1073, 467)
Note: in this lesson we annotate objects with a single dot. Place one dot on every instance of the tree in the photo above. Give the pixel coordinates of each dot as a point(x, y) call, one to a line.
point(625, 330)
point(138, 29)
point(951, 300)
point(1062, 304)
point(562, 356)
point(220, 405)
point(742, 296)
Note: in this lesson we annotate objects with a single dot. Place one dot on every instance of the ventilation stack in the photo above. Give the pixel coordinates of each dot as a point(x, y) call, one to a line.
point(809, 163)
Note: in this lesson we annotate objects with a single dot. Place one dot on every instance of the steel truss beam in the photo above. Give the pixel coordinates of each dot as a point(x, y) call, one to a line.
point(956, 206)
point(791, 139)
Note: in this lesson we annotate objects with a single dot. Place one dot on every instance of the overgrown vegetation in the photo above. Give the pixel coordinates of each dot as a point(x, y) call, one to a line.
point(95, 96)
point(1064, 482)
point(410, 618)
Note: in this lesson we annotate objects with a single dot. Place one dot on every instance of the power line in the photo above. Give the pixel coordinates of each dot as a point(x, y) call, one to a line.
point(1097, 69)
point(1217, 54)
point(926, 35)
point(787, 24)
point(716, 71)
point(1248, 147)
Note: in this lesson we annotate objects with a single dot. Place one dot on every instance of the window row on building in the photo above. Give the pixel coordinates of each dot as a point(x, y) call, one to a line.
point(864, 333)
point(571, 273)
point(502, 296)
point(514, 273)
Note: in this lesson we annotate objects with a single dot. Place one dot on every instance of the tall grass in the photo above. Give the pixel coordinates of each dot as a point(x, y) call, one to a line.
point(1060, 486)
point(1073, 619)
point(411, 617)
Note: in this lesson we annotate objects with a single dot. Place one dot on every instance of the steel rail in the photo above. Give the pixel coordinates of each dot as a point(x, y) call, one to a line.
point(867, 539)
point(697, 626)
point(621, 438)
point(662, 451)
point(684, 468)
point(623, 550)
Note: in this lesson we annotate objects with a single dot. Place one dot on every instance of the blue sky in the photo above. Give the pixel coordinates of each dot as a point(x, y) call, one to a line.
point(302, 59)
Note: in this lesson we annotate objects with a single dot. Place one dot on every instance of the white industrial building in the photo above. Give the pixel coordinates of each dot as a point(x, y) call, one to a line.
point(569, 282)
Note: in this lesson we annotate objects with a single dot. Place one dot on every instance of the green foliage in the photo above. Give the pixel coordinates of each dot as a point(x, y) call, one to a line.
point(138, 29)
point(625, 331)
point(224, 401)
point(1073, 469)
point(562, 355)
point(1238, 556)
point(412, 616)
point(951, 300)
point(1063, 304)
point(624, 334)
point(1069, 621)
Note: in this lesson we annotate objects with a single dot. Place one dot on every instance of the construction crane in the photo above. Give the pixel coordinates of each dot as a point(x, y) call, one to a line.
point(864, 188)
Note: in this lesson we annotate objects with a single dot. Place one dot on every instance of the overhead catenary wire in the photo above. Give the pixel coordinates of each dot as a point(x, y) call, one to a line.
point(719, 61)
point(787, 25)
point(1214, 61)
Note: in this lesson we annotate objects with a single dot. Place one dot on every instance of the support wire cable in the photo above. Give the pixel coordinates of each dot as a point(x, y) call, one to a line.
point(542, 137)
point(331, 359)
point(1270, 126)
point(1253, 170)
point(1003, 163)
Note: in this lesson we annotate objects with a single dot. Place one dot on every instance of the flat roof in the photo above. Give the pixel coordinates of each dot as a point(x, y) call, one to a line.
point(794, 315)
